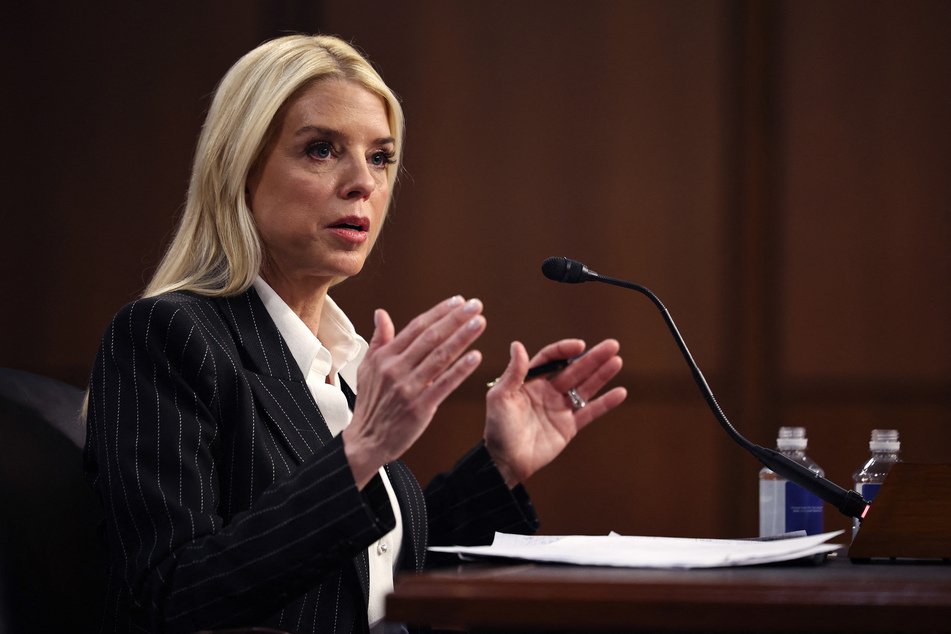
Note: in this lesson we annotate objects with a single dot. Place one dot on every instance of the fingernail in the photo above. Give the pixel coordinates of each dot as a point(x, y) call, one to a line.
point(454, 301)
point(476, 322)
point(376, 318)
point(472, 305)
point(472, 357)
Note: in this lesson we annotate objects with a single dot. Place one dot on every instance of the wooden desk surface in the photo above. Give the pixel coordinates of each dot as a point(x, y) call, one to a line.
point(836, 596)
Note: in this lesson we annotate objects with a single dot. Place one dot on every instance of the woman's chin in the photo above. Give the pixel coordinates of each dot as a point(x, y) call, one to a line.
point(346, 268)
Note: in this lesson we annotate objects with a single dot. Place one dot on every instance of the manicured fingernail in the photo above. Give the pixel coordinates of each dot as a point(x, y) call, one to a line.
point(454, 301)
point(376, 318)
point(476, 322)
point(472, 357)
point(472, 305)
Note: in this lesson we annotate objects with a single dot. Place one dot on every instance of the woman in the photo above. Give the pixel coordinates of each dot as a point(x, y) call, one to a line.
point(243, 439)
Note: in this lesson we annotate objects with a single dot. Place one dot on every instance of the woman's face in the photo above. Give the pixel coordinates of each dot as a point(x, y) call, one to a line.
point(320, 190)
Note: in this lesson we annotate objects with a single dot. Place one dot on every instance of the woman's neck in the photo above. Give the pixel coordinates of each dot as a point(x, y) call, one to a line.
point(305, 296)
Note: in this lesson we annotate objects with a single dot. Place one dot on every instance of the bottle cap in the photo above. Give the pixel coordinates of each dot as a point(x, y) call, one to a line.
point(884, 440)
point(792, 438)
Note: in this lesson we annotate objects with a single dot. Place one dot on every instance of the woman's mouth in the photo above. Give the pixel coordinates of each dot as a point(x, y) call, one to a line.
point(355, 230)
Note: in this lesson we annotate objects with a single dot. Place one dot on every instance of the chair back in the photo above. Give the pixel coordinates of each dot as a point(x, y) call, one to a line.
point(51, 566)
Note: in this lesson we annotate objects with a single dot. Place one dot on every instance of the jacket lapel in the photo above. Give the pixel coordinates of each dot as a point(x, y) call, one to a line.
point(274, 376)
point(413, 511)
point(261, 346)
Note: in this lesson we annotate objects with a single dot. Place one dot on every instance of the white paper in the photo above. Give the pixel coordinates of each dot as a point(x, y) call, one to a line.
point(647, 552)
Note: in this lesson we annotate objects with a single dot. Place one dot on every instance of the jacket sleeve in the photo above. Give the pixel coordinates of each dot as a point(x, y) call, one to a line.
point(153, 455)
point(470, 502)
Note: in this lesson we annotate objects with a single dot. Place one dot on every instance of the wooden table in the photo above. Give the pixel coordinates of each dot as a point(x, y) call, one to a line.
point(836, 596)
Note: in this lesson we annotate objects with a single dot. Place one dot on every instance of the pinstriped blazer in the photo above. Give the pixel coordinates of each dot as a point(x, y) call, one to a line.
point(227, 500)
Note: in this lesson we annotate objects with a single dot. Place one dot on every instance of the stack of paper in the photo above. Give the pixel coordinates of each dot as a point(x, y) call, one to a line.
point(648, 552)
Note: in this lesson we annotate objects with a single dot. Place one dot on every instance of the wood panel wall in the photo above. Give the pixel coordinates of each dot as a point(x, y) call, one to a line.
point(775, 171)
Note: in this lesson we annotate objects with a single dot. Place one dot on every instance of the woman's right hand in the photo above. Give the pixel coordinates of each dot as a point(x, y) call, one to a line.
point(405, 377)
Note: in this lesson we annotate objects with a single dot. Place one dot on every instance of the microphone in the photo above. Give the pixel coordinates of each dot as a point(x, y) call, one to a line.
point(567, 271)
point(848, 502)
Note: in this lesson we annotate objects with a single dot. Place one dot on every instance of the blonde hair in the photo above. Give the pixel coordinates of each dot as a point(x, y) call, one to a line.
point(216, 249)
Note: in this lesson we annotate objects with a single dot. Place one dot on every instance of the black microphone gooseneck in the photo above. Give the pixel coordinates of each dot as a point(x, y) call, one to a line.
point(849, 503)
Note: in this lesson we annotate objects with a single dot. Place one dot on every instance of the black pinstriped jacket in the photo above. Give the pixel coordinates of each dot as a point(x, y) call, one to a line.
point(227, 501)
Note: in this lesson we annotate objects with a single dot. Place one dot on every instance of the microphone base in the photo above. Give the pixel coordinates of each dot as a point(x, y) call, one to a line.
point(910, 517)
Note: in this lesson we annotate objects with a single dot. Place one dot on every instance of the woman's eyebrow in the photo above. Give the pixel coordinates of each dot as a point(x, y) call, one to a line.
point(310, 129)
point(336, 134)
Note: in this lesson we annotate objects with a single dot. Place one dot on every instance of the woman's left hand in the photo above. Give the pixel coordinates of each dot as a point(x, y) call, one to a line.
point(529, 423)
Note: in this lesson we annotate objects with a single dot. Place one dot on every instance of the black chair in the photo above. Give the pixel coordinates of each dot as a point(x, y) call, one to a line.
point(51, 569)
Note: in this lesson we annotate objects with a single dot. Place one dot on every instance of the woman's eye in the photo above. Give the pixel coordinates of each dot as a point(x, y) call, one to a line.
point(319, 150)
point(381, 158)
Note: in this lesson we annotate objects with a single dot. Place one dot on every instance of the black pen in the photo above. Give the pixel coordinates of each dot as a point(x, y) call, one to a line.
point(544, 369)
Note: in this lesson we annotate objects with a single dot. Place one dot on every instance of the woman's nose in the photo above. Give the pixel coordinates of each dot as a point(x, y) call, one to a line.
point(357, 182)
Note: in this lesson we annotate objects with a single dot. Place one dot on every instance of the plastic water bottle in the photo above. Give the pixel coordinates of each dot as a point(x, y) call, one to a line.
point(785, 507)
point(884, 447)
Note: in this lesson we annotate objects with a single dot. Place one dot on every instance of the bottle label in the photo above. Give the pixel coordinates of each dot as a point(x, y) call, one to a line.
point(785, 507)
point(803, 510)
point(869, 491)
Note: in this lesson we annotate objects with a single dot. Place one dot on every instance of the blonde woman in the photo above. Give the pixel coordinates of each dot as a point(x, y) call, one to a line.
point(243, 438)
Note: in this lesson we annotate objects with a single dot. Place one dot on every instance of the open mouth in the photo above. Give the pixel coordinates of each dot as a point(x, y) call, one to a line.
point(352, 224)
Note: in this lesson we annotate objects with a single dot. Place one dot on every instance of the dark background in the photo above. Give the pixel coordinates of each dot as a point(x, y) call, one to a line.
point(777, 172)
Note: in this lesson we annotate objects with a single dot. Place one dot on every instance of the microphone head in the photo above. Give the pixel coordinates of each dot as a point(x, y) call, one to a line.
point(566, 271)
